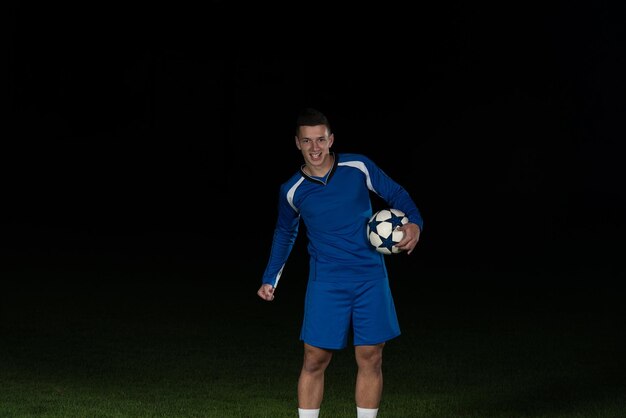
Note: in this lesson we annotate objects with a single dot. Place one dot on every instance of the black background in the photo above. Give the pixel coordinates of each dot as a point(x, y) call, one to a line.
point(157, 135)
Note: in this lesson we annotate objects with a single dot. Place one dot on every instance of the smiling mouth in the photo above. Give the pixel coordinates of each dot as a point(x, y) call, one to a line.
point(316, 155)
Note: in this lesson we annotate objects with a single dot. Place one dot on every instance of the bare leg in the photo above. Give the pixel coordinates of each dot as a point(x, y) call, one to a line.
point(311, 381)
point(369, 379)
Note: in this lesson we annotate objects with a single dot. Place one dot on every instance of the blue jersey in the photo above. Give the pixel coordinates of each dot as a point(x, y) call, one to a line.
point(335, 210)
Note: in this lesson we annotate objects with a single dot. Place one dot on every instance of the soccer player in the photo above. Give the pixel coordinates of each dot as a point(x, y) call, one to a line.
point(348, 290)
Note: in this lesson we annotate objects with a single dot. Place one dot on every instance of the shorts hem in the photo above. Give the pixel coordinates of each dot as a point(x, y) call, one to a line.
point(324, 346)
point(383, 340)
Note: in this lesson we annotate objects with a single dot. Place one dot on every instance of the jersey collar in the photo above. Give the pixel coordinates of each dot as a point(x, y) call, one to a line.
point(327, 177)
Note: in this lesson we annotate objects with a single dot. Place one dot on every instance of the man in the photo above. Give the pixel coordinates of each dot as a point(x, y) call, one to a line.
point(348, 289)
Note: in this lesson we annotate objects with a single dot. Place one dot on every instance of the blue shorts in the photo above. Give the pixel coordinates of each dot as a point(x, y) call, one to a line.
point(333, 309)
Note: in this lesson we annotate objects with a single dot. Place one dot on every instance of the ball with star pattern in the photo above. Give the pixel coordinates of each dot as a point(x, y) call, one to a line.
point(382, 230)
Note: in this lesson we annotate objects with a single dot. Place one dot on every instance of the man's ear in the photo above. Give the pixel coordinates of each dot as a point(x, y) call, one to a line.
point(297, 142)
point(331, 140)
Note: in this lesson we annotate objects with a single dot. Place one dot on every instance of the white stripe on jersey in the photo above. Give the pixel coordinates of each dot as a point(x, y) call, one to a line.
point(361, 166)
point(292, 192)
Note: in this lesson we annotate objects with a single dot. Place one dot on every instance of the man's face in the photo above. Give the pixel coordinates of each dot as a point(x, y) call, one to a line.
point(314, 142)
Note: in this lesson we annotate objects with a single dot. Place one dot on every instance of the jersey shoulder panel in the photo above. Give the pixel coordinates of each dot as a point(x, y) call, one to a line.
point(350, 156)
point(288, 190)
point(290, 182)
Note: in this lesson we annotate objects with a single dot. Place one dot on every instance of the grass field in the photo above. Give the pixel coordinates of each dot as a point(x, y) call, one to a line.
point(152, 342)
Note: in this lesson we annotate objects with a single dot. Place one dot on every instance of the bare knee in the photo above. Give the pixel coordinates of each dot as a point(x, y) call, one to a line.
point(369, 357)
point(315, 359)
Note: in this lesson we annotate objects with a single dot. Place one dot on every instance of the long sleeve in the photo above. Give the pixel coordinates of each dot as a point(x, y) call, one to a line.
point(285, 233)
point(393, 193)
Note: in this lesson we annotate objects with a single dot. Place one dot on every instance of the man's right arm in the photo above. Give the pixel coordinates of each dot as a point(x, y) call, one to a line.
point(285, 234)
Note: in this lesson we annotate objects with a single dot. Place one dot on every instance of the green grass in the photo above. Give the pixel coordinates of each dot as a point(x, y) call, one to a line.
point(97, 347)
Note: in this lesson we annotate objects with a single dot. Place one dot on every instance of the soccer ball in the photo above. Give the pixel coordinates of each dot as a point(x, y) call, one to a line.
point(381, 230)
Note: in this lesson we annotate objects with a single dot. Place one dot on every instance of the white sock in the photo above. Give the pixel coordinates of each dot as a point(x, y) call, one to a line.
point(308, 413)
point(366, 413)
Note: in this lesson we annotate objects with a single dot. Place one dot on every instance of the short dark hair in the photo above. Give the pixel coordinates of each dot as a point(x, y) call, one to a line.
point(311, 117)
